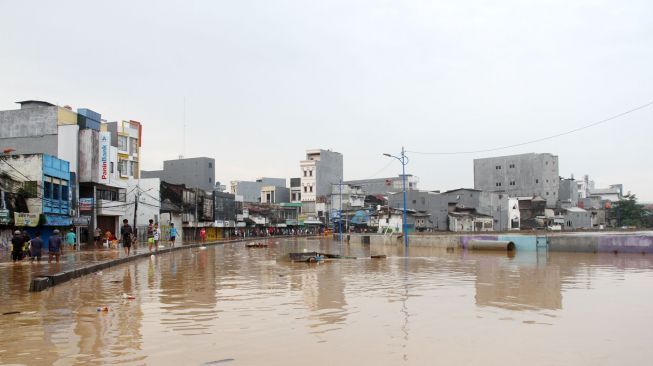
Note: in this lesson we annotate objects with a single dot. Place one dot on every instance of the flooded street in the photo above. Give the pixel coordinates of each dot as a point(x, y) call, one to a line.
point(236, 306)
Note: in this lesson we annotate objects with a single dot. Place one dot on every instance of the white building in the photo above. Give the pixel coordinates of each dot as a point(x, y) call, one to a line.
point(319, 171)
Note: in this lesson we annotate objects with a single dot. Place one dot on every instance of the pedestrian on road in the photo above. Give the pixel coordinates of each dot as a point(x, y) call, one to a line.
point(202, 235)
point(150, 234)
point(71, 238)
point(157, 236)
point(17, 246)
point(36, 246)
point(96, 236)
point(26, 239)
point(173, 233)
point(126, 233)
point(54, 246)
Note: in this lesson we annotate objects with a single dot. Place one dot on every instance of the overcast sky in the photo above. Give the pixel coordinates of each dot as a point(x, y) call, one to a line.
point(265, 80)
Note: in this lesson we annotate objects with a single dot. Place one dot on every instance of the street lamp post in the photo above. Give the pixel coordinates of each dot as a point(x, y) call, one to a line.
point(403, 160)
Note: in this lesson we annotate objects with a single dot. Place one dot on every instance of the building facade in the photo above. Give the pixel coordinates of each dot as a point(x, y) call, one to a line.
point(383, 186)
point(191, 172)
point(520, 175)
point(251, 191)
point(319, 171)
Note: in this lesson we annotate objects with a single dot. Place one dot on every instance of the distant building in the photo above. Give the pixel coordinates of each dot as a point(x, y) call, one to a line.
point(274, 194)
point(191, 172)
point(520, 176)
point(568, 193)
point(296, 190)
point(251, 191)
point(383, 186)
point(614, 193)
point(577, 218)
point(319, 171)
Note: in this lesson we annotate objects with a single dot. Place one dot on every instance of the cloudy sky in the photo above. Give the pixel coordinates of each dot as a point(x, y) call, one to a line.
point(265, 80)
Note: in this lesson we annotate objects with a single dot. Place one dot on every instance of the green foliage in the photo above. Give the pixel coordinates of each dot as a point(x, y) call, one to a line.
point(630, 213)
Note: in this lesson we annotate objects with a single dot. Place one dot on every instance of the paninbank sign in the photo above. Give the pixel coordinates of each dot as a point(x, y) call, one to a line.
point(104, 171)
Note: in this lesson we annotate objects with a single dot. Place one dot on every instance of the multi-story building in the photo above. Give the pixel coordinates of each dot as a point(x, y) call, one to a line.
point(319, 171)
point(44, 182)
point(251, 191)
point(274, 194)
point(384, 186)
point(296, 190)
point(192, 172)
point(519, 175)
point(568, 193)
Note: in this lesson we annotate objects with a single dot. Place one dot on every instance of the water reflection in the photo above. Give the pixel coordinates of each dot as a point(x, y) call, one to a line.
point(417, 305)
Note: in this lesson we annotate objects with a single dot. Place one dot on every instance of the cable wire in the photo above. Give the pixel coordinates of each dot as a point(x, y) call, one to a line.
point(539, 139)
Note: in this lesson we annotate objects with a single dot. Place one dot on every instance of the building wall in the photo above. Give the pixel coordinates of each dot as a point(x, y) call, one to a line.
point(325, 168)
point(29, 130)
point(520, 175)
point(67, 144)
point(193, 172)
point(568, 194)
point(580, 219)
point(251, 191)
point(383, 186)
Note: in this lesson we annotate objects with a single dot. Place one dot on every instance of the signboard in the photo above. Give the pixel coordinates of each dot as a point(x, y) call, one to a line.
point(86, 204)
point(26, 219)
point(104, 158)
point(82, 220)
point(56, 220)
point(5, 217)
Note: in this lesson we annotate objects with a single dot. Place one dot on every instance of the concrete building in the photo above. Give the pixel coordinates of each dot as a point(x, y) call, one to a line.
point(319, 171)
point(274, 194)
point(577, 218)
point(251, 191)
point(191, 172)
point(568, 193)
point(383, 186)
point(614, 193)
point(520, 176)
point(468, 220)
point(44, 181)
point(296, 190)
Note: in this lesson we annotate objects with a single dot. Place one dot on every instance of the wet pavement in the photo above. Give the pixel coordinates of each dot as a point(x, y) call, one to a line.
point(232, 305)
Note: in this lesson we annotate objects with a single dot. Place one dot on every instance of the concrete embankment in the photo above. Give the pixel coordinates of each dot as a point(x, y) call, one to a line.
point(592, 242)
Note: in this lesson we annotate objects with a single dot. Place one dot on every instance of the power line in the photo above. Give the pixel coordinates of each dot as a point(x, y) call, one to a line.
point(539, 139)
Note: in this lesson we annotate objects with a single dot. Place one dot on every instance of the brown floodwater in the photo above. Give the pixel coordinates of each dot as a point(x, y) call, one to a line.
point(229, 305)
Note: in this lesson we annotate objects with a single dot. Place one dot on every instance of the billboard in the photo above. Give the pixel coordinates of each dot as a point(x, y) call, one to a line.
point(104, 158)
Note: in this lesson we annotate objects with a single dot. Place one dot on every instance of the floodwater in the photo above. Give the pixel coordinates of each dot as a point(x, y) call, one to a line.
point(229, 305)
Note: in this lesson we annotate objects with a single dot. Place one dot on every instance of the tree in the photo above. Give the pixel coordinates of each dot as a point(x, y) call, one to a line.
point(630, 213)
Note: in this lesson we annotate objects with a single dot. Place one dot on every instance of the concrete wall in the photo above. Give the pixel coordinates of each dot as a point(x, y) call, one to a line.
point(67, 144)
point(89, 160)
point(532, 174)
point(193, 172)
point(578, 220)
point(568, 193)
point(29, 130)
point(31, 169)
point(149, 205)
point(383, 186)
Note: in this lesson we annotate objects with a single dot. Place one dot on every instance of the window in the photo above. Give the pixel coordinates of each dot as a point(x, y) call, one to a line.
point(64, 190)
point(132, 146)
point(210, 180)
point(311, 188)
point(210, 165)
point(305, 189)
point(547, 193)
point(497, 167)
point(122, 143)
point(30, 189)
point(47, 187)
point(513, 183)
point(414, 202)
point(310, 173)
point(56, 190)
point(547, 181)
point(305, 174)
point(111, 167)
point(537, 180)
point(122, 167)
point(497, 184)
point(512, 165)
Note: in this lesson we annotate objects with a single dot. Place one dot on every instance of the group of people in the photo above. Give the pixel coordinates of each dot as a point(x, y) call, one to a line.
point(23, 246)
point(128, 235)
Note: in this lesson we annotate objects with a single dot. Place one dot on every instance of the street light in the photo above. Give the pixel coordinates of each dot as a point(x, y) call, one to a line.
point(403, 160)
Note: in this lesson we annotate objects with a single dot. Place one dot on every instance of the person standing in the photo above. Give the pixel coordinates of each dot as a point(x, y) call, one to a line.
point(202, 235)
point(54, 246)
point(96, 236)
point(17, 246)
point(36, 246)
point(157, 236)
point(150, 233)
point(173, 233)
point(71, 238)
point(126, 233)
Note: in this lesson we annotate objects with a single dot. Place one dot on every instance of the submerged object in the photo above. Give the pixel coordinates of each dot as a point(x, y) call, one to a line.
point(379, 256)
point(491, 245)
point(256, 245)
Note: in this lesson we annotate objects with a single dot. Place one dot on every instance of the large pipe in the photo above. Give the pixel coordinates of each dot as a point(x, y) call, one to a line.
point(491, 245)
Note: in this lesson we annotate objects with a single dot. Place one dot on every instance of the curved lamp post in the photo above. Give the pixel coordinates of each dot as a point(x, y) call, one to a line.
point(403, 160)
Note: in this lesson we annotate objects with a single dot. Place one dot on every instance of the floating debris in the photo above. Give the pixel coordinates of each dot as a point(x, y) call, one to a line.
point(103, 308)
point(11, 313)
point(256, 245)
point(128, 297)
point(218, 361)
point(379, 256)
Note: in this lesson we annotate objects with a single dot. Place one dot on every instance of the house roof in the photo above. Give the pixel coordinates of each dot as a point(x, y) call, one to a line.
point(463, 189)
point(575, 209)
point(474, 214)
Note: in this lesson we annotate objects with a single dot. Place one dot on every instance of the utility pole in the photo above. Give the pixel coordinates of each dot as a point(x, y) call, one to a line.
point(137, 198)
point(197, 221)
point(340, 215)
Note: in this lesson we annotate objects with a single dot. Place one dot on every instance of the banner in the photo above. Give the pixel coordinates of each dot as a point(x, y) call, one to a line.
point(5, 217)
point(86, 204)
point(26, 219)
point(104, 158)
point(56, 220)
